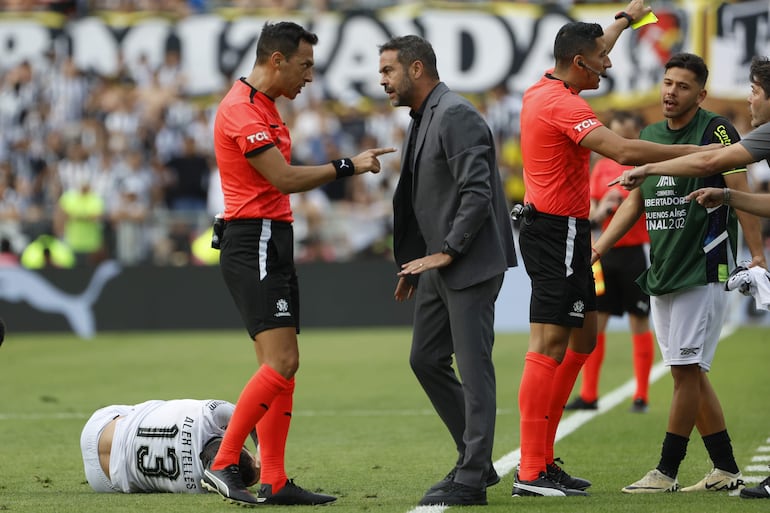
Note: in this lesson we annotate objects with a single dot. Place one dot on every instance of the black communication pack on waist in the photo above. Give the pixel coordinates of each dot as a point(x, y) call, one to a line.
point(219, 228)
point(523, 211)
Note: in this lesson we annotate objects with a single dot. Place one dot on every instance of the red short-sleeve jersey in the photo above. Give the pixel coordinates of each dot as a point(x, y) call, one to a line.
point(604, 171)
point(554, 119)
point(248, 122)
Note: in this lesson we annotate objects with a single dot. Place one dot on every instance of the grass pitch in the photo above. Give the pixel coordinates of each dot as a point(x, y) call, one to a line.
point(362, 428)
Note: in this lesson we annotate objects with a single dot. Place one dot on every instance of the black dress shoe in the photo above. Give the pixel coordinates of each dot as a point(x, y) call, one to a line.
point(579, 403)
point(455, 494)
point(492, 479)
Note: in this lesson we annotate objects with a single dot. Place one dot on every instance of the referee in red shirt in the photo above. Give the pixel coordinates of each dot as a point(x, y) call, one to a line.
point(620, 266)
point(558, 132)
point(253, 151)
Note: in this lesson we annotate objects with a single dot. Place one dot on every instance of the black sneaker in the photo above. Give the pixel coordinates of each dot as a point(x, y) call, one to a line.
point(292, 495)
point(761, 491)
point(228, 483)
point(541, 487)
point(556, 474)
point(579, 404)
point(639, 406)
point(492, 479)
point(455, 494)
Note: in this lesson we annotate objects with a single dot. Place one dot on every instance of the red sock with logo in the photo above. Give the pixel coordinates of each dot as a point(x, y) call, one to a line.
point(534, 396)
point(589, 389)
point(252, 405)
point(644, 354)
point(272, 432)
point(563, 381)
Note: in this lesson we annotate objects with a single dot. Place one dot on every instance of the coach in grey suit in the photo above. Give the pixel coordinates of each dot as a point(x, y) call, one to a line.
point(453, 236)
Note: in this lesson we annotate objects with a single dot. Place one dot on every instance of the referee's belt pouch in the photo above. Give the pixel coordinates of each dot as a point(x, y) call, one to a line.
point(218, 230)
point(530, 212)
point(524, 212)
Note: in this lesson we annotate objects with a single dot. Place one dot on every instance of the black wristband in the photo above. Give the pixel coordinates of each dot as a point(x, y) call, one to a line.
point(624, 14)
point(344, 167)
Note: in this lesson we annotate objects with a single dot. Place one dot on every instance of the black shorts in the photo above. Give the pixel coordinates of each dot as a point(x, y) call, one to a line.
point(621, 267)
point(557, 256)
point(257, 262)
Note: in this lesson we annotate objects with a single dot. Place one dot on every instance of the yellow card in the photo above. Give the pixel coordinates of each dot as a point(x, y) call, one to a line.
point(646, 20)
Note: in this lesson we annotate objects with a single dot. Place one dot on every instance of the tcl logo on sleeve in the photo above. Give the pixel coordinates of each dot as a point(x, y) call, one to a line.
point(583, 125)
point(259, 136)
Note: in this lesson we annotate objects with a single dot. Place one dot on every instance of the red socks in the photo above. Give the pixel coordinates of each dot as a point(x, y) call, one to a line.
point(254, 402)
point(589, 389)
point(534, 398)
point(272, 432)
point(563, 382)
point(644, 354)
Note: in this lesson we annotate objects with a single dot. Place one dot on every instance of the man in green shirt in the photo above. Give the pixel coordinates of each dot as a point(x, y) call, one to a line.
point(754, 147)
point(692, 251)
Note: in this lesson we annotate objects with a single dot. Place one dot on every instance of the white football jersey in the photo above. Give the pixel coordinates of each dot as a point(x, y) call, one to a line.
point(156, 446)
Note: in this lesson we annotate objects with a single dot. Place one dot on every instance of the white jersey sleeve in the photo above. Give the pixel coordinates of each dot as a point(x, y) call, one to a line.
point(156, 447)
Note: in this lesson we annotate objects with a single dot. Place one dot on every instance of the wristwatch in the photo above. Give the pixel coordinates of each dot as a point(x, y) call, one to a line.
point(624, 14)
point(447, 250)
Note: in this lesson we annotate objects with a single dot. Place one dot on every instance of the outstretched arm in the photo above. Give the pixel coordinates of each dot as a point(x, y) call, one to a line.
point(287, 178)
point(632, 152)
point(705, 163)
point(751, 202)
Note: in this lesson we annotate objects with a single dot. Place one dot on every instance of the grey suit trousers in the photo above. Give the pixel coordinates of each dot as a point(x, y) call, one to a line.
point(459, 322)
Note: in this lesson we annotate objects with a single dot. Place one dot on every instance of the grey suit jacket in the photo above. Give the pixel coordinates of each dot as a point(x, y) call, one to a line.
point(457, 194)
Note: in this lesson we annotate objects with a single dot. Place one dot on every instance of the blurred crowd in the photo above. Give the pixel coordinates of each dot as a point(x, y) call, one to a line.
point(188, 7)
point(95, 167)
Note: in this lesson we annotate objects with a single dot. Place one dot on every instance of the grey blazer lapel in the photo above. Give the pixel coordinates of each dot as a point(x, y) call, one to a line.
point(425, 123)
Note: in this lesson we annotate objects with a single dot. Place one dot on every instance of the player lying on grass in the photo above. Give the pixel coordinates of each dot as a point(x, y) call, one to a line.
point(158, 446)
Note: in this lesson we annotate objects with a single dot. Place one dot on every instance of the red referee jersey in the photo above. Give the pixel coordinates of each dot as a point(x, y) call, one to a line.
point(604, 171)
point(554, 119)
point(247, 123)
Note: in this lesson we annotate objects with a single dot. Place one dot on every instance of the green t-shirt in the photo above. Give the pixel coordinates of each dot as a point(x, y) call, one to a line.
point(689, 245)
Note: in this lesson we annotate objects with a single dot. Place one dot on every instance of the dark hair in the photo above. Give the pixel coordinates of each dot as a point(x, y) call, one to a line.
point(283, 37)
point(411, 49)
point(209, 452)
point(621, 116)
point(575, 38)
point(691, 62)
point(760, 73)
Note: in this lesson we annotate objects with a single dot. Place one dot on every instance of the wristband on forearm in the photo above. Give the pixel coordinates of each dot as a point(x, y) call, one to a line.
point(726, 197)
point(343, 167)
point(628, 18)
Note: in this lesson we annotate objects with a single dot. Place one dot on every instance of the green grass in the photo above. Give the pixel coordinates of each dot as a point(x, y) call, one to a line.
point(362, 428)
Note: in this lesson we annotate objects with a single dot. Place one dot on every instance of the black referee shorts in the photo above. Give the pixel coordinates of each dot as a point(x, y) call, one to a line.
point(621, 267)
point(557, 256)
point(257, 262)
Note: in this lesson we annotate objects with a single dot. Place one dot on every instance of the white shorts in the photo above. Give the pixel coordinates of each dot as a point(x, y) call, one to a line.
point(89, 446)
point(688, 324)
